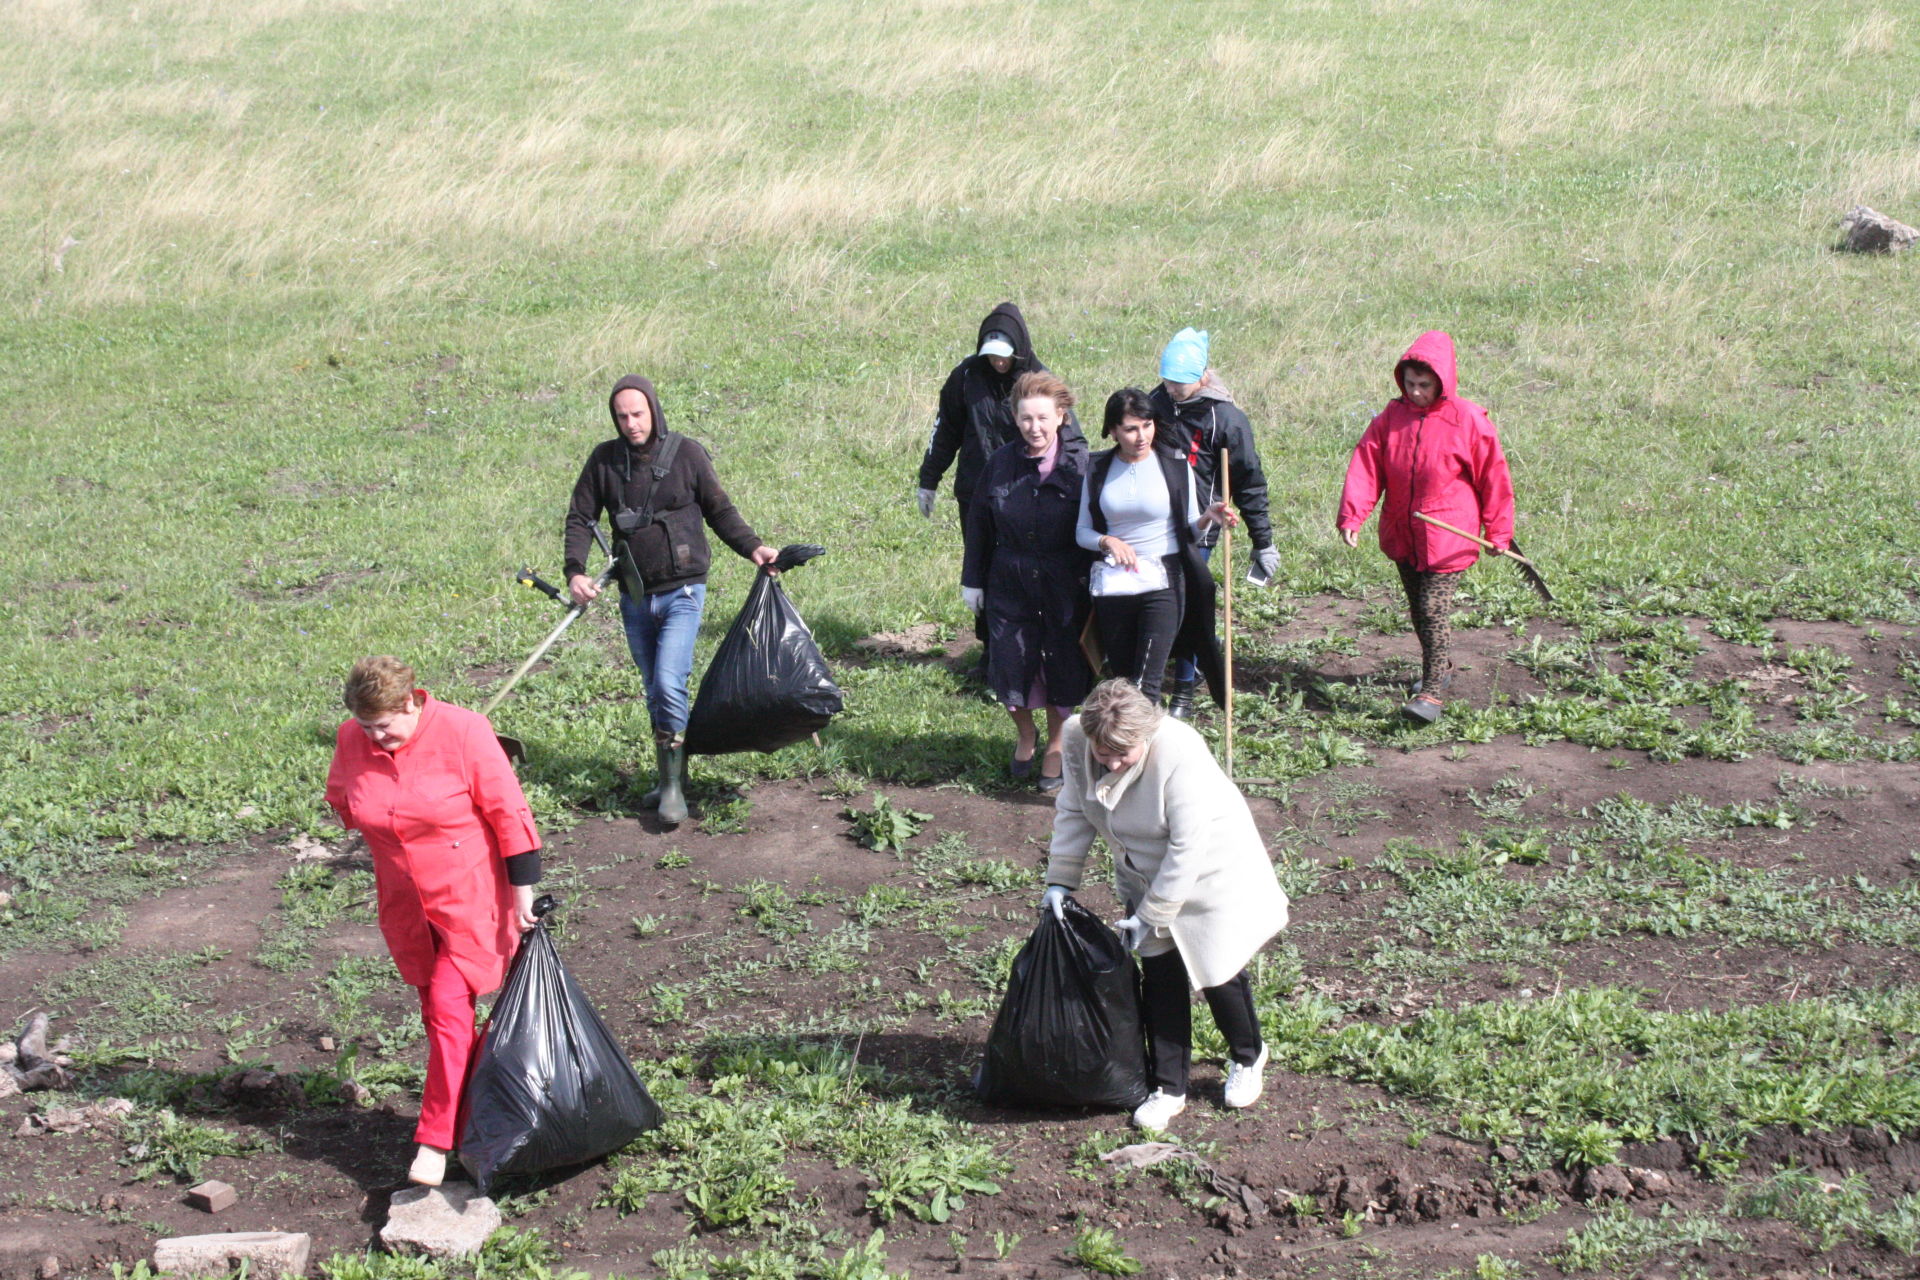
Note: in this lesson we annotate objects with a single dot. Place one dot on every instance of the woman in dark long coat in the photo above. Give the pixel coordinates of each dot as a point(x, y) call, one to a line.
point(1027, 576)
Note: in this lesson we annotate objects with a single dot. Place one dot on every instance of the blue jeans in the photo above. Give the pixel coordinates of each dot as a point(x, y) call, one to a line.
point(661, 630)
point(1186, 671)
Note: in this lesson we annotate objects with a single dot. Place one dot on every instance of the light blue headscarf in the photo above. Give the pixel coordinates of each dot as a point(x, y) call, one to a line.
point(1185, 358)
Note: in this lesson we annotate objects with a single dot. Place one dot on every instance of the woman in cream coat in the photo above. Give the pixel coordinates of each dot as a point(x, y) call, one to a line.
point(1193, 872)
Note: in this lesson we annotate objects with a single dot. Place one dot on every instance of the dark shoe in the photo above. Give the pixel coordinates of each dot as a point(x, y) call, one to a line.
point(673, 777)
point(1424, 707)
point(1020, 769)
point(1051, 786)
point(1180, 706)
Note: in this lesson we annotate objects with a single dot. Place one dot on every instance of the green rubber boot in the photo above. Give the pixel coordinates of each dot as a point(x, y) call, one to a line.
point(672, 801)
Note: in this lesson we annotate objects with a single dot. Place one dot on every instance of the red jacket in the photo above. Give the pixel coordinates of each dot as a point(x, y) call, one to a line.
point(441, 813)
point(1444, 460)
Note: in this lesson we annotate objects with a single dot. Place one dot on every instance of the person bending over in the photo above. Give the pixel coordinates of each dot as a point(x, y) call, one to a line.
point(1192, 871)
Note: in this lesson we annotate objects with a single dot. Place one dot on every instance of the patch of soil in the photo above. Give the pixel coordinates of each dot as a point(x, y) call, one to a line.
point(1347, 1180)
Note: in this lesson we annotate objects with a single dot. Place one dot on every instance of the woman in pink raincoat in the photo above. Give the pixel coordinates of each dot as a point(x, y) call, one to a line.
point(455, 858)
point(1433, 452)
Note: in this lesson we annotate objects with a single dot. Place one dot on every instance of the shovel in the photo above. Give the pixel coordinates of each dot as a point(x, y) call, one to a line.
point(1532, 575)
point(515, 749)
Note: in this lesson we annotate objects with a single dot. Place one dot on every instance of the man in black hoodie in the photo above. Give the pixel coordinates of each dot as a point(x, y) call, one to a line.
point(974, 417)
point(660, 488)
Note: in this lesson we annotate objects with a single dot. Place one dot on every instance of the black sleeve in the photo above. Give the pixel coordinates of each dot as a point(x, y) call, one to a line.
point(949, 426)
point(980, 533)
point(1249, 481)
point(715, 505)
point(583, 512)
point(524, 868)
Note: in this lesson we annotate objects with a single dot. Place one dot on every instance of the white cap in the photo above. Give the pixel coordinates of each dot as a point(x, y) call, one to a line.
point(997, 344)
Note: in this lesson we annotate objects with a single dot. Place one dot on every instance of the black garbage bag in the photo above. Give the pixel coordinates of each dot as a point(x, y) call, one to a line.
point(767, 686)
point(1068, 1033)
point(550, 1086)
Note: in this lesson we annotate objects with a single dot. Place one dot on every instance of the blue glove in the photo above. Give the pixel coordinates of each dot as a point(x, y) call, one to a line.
point(1052, 898)
point(1133, 931)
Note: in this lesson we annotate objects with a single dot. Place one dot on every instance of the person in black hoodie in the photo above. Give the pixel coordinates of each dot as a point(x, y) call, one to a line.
point(1026, 576)
point(659, 487)
point(1204, 422)
point(974, 417)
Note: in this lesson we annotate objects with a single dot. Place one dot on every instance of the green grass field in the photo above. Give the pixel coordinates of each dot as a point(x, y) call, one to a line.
point(313, 307)
point(310, 308)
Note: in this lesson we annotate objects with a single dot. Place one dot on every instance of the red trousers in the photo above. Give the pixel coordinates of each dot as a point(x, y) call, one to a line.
point(446, 1006)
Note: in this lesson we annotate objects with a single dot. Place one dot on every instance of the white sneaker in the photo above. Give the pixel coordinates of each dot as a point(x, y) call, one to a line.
point(1159, 1109)
point(429, 1168)
point(1244, 1082)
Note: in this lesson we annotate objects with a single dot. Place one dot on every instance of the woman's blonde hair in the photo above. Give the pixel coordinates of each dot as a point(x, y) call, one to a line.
point(1039, 383)
point(377, 686)
point(1117, 717)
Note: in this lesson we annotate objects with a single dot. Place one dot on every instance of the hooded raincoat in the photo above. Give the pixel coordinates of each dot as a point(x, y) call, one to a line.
point(1444, 460)
point(441, 814)
point(974, 417)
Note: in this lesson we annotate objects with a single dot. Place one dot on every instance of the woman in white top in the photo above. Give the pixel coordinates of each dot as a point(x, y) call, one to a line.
point(1139, 514)
point(1198, 885)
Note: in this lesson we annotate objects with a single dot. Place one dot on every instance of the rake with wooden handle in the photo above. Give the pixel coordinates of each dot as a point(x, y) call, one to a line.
point(1512, 553)
point(1226, 551)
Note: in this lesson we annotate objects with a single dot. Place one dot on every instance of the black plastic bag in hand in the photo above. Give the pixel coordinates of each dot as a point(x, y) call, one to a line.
point(550, 1086)
point(1068, 1033)
point(767, 686)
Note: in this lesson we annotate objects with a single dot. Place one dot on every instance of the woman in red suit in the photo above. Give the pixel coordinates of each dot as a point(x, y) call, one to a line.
point(455, 858)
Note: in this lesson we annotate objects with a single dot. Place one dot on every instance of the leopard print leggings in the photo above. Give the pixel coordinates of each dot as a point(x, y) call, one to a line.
point(1430, 600)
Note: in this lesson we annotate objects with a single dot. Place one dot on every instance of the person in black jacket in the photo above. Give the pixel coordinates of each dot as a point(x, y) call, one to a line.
point(1204, 423)
point(659, 487)
point(1026, 576)
point(974, 417)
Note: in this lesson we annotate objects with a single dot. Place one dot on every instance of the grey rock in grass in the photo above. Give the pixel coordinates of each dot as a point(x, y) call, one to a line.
point(448, 1221)
point(1650, 1184)
point(1865, 231)
point(266, 1253)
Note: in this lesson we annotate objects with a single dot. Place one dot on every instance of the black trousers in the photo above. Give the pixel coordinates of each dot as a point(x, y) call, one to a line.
point(1167, 1010)
point(1137, 632)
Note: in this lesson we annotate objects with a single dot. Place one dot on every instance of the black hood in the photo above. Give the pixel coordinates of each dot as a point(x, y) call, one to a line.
point(1006, 318)
point(634, 382)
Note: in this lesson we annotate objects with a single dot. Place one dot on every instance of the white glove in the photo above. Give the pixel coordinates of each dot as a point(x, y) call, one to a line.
point(925, 497)
point(1133, 931)
point(1052, 898)
point(974, 597)
point(1266, 564)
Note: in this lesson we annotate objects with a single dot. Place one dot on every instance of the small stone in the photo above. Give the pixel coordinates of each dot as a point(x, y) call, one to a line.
point(8, 1085)
point(1864, 231)
point(9, 1052)
point(266, 1253)
point(449, 1221)
point(213, 1196)
point(1650, 1183)
point(49, 1268)
point(326, 1044)
point(6, 899)
point(109, 1203)
point(1602, 1182)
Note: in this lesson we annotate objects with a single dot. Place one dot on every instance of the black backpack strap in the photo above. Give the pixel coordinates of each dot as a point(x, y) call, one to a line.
point(663, 456)
point(1096, 483)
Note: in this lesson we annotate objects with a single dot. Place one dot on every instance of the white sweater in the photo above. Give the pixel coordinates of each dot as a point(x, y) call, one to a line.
point(1177, 825)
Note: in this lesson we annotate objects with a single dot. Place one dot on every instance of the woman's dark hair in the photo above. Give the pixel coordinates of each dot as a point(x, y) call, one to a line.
point(1129, 402)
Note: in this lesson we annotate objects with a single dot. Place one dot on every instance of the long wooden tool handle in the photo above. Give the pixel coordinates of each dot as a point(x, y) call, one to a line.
point(1473, 537)
point(1226, 548)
